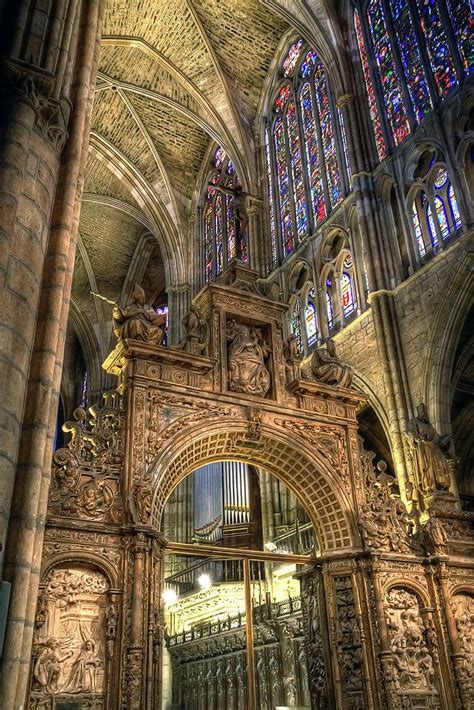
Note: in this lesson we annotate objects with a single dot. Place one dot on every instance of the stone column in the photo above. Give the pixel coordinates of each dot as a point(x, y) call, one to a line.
point(39, 266)
point(179, 301)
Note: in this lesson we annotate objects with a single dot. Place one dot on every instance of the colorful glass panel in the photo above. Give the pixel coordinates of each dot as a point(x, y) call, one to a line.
point(299, 192)
point(462, 18)
point(296, 325)
point(437, 45)
point(219, 238)
point(411, 58)
point(454, 207)
point(389, 81)
point(344, 143)
point(231, 230)
point(312, 154)
point(441, 178)
point(208, 240)
point(282, 98)
point(327, 135)
point(442, 216)
point(418, 231)
point(283, 182)
point(431, 226)
point(219, 157)
point(292, 58)
point(311, 322)
point(347, 294)
point(271, 202)
point(310, 60)
point(374, 114)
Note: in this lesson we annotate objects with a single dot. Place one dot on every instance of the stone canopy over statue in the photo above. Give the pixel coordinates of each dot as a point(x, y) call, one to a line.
point(428, 451)
point(327, 368)
point(139, 321)
point(247, 353)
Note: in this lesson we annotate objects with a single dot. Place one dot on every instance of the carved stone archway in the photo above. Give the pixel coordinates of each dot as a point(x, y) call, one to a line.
point(315, 468)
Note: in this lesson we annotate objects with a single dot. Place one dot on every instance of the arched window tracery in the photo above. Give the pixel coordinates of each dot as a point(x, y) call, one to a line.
point(304, 319)
point(434, 209)
point(339, 281)
point(409, 59)
point(223, 240)
point(306, 152)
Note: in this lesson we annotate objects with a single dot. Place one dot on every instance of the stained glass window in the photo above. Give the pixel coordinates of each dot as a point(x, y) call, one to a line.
point(222, 241)
point(437, 45)
point(327, 135)
point(296, 325)
point(462, 18)
point(304, 151)
point(311, 320)
point(418, 231)
point(299, 193)
point(389, 80)
point(431, 226)
point(286, 219)
point(292, 58)
point(208, 240)
point(442, 217)
point(441, 178)
point(312, 154)
point(411, 58)
point(454, 207)
point(219, 233)
point(374, 114)
point(271, 202)
point(347, 294)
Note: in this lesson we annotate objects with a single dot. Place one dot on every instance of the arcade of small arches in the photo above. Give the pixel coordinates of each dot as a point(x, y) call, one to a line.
point(237, 374)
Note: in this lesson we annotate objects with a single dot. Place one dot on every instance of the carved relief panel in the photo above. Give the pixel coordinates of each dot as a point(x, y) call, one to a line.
point(69, 654)
point(414, 658)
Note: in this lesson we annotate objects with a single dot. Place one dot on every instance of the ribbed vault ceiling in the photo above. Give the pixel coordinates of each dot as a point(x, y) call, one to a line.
point(175, 77)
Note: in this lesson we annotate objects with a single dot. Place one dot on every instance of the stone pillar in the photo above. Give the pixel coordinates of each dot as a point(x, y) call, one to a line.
point(179, 301)
point(38, 229)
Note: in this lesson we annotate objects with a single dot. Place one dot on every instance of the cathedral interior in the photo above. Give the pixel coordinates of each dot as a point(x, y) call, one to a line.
point(236, 355)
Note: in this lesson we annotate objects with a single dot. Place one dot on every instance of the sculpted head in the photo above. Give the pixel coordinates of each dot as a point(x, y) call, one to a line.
point(422, 412)
point(139, 294)
point(331, 347)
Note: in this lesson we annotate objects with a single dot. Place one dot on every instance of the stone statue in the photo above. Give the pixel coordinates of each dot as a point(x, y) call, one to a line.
point(197, 335)
point(427, 450)
point(139, 321)
point(142, 497)
point(292, 358)
point(83, 674)
point(327, 368)
point(247, 352)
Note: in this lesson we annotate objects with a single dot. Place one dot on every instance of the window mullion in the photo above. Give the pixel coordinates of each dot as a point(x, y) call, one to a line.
point(274, 194)
point(290, 178)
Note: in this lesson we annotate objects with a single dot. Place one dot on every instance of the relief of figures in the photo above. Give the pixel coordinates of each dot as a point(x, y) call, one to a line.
point(70, 640)
point(463, 612)
point(412, 661)
point(247, 355)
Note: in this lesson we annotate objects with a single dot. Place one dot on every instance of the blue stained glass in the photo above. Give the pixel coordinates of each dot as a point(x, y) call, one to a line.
point(271, 202)
point(329, 310)
point(431, 226)
point(327, 135)
point(462, 18)
point(283, 182)
point(311, 323)
point(411, 58)
point(454, 207)
point(437, 45)
point(219, 217)
point(299, 193)
point(418, 231)
point(312, 154)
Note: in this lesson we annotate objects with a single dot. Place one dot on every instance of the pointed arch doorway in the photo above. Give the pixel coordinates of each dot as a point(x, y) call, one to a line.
point(238, 542)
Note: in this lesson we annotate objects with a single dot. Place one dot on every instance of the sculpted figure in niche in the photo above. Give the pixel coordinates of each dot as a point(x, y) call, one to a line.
point(427, 449)
point(247, 352)
point(197, 335)
point(138, 321)
point(83, 674)
point(326, 367)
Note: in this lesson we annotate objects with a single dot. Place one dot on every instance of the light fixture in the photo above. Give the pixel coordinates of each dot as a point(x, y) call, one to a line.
point(169, 597)
point(204, 581)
